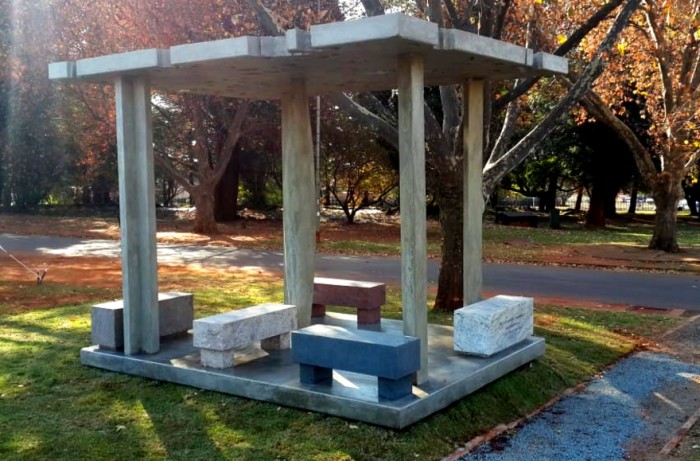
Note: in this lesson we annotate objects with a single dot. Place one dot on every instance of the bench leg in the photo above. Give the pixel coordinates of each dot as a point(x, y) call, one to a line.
point(277, 343)
point(393, 389)
point(318, 310)
point(310, 374)
point(369, 319)
point(217, 359)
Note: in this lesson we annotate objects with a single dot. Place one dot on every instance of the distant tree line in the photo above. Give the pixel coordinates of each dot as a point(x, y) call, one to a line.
point(626, 116)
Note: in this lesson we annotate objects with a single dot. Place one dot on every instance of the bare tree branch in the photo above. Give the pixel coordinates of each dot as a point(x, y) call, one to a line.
point(597, 107)
point(572, 42)
point(495, 170)
point(174, 173)
point(373, 7)
point(232, 138)
point(384, 128)
point(268, 20)
point(663, 58)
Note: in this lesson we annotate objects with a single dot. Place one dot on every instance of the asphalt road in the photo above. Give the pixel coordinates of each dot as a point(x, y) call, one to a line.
point(610, 287)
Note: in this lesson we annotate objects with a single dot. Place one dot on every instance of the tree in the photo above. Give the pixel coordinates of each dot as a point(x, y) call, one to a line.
point(606, 166)
point(516, 21)
point(359, 171)
point(658, 57)
point(208, 128)
point(32, 148)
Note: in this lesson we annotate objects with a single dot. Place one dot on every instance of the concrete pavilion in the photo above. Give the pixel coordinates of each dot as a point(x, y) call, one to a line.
point(370, 54)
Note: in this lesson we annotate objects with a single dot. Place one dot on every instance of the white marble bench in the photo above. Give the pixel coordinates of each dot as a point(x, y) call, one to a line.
point(219, 335)
point(487, 327)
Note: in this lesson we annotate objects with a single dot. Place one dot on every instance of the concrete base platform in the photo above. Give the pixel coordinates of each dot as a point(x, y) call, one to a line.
point(275, 378)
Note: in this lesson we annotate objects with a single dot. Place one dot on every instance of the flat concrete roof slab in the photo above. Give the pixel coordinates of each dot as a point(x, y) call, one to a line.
point(352, 56)
point(274, 378)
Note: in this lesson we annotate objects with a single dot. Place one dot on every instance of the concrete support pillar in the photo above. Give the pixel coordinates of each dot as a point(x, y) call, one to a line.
point(414, 252)
point(473, 100)
point(299, 200)
point(137, 216)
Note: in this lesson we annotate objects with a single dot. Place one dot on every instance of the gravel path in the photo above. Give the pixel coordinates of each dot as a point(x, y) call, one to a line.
point(601, 422)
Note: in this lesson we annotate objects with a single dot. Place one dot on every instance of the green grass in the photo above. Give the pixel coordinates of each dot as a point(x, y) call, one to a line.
point(51, 407)
point(637, 232)
point(632, 233)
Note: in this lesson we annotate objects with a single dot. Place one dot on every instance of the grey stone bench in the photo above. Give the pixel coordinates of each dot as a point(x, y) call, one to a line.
point(175, 311)
point(366, 297)
point(319, 349)
point(219, 335)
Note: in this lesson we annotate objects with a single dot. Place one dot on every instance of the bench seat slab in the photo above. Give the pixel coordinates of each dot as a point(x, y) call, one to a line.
point(349, 293)
point(239, 328)
point(360, 351)
point(319, 349)
point(219, 336)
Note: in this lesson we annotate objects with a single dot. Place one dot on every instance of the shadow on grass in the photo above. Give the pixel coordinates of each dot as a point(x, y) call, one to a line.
point(67, 411)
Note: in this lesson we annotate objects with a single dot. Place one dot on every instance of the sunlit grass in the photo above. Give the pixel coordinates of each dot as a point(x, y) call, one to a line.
point(54, 408)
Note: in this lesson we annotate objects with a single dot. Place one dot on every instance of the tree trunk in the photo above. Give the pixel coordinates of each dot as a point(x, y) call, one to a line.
point(632, 210)
point(552, 193)
point(666, 193)
point(349, 216)
point(226, 192)
point(610, 197)
point(595, 217)
point(450, 295)
point(579, 199)
point(691, 196)
point(204, 218)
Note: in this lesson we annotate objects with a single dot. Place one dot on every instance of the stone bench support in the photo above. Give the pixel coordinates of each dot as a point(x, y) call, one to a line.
point(175, 310)
point(219, 335)
point(492, 325)
point(319, 349)
point(366, 297)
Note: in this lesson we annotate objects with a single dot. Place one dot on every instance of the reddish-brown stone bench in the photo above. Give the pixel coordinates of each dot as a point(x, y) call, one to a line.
point(366, 297)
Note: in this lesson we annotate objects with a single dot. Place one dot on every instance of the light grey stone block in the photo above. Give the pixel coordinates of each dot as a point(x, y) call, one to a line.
point(61, 70)
point(550, 62)
point(217, 359)
point(107, 320)
point(130, 61)
point(490, 326)
point(237, 47)
point(176, 311)
point(277, 343)
point(270, 324)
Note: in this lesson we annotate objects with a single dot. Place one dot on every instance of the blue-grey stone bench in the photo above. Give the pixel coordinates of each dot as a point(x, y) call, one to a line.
point(218, 336)
point(367, 297)
point(175, 311)
point(319, 349)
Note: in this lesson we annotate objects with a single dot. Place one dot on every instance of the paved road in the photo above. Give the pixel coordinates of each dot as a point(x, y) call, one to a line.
point(632, 288)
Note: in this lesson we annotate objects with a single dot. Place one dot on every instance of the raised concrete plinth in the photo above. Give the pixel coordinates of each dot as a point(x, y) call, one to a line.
point(275, 378)
point(490, 326)
point(176, 313)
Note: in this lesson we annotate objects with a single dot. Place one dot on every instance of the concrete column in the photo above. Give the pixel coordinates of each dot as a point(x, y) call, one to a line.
point(299, 201)
point(473, 100)
point(414, 253)
point(138, 216)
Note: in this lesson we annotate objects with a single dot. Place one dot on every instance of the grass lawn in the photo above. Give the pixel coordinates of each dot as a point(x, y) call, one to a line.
point(51, 407)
